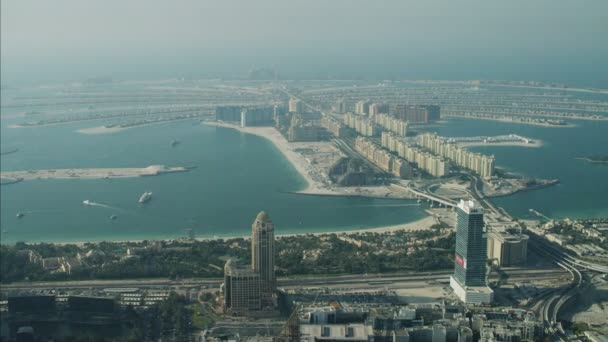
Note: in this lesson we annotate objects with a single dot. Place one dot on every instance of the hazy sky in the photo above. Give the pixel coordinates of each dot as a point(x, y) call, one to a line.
point(441, 39)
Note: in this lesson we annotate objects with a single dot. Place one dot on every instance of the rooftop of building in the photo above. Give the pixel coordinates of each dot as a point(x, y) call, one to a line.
point(470, 206)
point(262, 216)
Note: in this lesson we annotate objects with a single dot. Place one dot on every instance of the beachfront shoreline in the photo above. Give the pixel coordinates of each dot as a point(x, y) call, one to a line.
point(302, 166)
point(420, 224)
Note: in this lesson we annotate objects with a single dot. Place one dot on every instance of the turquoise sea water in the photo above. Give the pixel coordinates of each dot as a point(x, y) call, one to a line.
point(236, 176)
point(583, 191)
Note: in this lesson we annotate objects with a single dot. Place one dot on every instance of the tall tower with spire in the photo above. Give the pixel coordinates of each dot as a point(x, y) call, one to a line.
point(262, 255)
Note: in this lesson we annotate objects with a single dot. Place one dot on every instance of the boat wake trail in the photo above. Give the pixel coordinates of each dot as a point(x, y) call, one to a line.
point(95, 204)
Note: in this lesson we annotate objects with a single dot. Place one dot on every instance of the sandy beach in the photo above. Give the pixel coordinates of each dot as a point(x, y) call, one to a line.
point(315, 186)
point(271, 134)
point(101, 130)
point(421, 224)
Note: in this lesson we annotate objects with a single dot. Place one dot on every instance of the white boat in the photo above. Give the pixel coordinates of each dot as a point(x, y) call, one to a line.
point(145, 197)
point(87, 202)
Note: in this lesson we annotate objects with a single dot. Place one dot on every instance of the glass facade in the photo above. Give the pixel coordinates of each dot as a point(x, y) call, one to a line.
point(471, 245)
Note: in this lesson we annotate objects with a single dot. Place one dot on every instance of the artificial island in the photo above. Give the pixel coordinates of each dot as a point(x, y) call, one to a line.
point(472, 272)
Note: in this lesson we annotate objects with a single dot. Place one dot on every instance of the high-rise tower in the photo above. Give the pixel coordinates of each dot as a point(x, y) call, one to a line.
point(469, 280)
point(262, 255)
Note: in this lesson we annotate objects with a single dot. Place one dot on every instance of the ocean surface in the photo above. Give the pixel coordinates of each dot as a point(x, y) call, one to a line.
point(583, 188)
point(236, 176)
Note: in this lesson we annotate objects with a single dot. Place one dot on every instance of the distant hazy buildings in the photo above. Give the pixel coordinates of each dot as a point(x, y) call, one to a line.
point(391, 124)
point(417, 114)
point(259, 116)
point(246, 115)
point(228, 113)
point(469, 281)
point(295, 105)
point(476, 162)
point(378, 108)
point(362, 107)
point(248, 289)
point(334, 127)
point(361, 124)
point(340, 107)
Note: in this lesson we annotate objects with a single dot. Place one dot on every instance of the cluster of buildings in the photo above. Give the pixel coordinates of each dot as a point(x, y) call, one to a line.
point(361, 124)
point(334, 127)
point(476, 162)
point(432, 322)
point(249, 289)
point(589, 239)
point(434, 165)
point(301, 129)
point(365, 107)
point(61, 264)
point(391, 124)
point(417, 114)
point(373, 125)
point(383, 158)
point(37, 317)
point(246, 116)
point(362, 107)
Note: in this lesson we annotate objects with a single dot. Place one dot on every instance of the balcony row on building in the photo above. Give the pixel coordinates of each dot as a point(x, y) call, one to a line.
point(476, 162)
point(434, 165)
point(333, 126)
point(361, 124)
point(391, 124)
point(383, 158)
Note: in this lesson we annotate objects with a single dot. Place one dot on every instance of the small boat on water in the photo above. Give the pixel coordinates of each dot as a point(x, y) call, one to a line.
point(113, 217)
point(20, 215)
point(175, 142)
point(87, 202)
point(147, 196)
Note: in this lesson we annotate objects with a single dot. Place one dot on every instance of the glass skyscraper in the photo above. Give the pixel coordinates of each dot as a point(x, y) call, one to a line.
point(469, 279)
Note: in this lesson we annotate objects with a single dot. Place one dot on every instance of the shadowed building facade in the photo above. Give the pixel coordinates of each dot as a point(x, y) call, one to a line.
point(241, 289)
point(262, 255)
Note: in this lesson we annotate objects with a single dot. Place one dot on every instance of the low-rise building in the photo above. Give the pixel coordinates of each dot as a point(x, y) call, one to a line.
point(241, 289)
point(508, 246)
